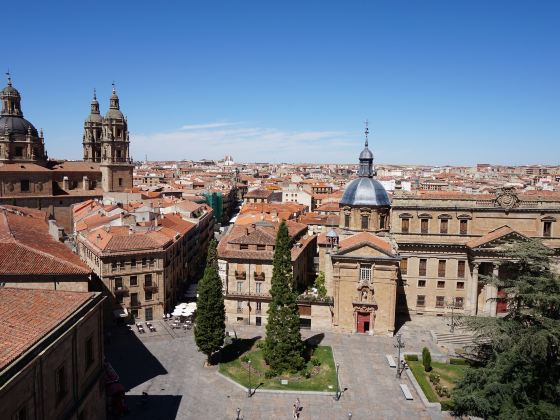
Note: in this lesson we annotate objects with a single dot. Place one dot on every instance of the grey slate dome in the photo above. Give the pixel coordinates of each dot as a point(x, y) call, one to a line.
point(365, 192)
point(16, 125)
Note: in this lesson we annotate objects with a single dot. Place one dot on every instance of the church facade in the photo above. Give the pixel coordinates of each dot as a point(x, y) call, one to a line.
point(28, 178)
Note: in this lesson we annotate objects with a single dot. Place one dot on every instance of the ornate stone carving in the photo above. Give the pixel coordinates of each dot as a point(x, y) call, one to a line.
point(506, 198)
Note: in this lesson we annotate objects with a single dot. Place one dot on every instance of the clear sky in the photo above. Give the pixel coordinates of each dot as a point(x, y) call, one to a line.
point(441, 82)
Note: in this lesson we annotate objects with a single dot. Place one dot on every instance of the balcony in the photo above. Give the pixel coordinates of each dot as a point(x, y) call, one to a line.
point(120, 290)
point(243, 294)
point(150, 287)
point(259, 276)
point(240, 275)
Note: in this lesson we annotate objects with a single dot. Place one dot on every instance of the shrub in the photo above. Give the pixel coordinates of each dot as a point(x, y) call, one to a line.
point(306, 373)
point(426, 359)
point(260, 344)
point(457, 361)
point(269, 374)
point(434, 378)
point(315, 361)
point(411, 357)
point(244, 359)
point(447, 405)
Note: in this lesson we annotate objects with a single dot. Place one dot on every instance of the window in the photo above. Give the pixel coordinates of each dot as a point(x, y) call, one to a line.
point(420, 300)
point(261, 247)
point(365, 273)
point(89, 353)
point(149, 314)
point(463, 227)
point(21, 413)
point(405, 225)
point(24, 185)
point(134, 299)
point(441, 284)
point(460, 285)
point(422, 267)
point(239, 307)
point(423, 225)
point(149, 295)
point(118, 283)
point(258, 308)
point(382, 221)
point(148, 280)
point(461, 269)
point(19, 151)
point(441, 268)
point(243, 246)
point(133, 281)
point(459, 302)
point(239, 286)
point(421, 283)
point(404, 266)
point(547, 229)
point(443, 225)
point(365, 222)
point(120, 182)
point(347, 220)
point(440, 301)
point(258, 287)
point(60, 386)
point(133, 262)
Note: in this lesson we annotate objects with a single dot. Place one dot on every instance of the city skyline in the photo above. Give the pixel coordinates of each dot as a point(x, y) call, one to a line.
point(439, 83)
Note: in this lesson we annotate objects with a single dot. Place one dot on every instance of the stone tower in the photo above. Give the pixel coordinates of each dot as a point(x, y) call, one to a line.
point(116, 165)
point(93, 129)
point(19, 140)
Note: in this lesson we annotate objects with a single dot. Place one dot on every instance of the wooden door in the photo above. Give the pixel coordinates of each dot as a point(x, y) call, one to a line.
point(362, 320)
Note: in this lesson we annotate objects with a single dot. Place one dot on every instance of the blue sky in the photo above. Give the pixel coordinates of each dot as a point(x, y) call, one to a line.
point(441, 82)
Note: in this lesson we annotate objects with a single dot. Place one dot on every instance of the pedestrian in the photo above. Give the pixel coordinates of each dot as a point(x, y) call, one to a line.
point(297, 408)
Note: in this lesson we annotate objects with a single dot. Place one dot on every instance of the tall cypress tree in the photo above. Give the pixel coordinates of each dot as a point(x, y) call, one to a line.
point(209, 332)
point(283, 348)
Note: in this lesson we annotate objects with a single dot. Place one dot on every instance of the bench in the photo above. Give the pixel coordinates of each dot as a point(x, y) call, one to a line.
point(391, 361)
point(406, 392)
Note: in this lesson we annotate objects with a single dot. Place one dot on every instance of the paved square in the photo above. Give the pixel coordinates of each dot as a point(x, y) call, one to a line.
point(167, 366)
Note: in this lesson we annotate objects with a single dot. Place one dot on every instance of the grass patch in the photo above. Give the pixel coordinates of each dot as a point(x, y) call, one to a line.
point(237, 368)
point(449, 376)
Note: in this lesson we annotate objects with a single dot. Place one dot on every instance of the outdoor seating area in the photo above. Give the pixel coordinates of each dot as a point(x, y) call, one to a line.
point(182, 316)
point(140, 327)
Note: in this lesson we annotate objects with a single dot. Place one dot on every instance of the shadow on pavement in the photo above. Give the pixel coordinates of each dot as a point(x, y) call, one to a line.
point(152, 407)
point(132, 361)
point(237, 348)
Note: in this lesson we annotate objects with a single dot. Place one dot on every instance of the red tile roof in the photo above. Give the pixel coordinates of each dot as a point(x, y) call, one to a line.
point(366, 237)
point(28, 315)
point(27, 248)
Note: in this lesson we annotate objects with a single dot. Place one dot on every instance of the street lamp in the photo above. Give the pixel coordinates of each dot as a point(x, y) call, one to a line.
point(249, 391)
point(349, 415)
point(238, 412)
point(337, 396)
point(399, 346)
point(452, 323)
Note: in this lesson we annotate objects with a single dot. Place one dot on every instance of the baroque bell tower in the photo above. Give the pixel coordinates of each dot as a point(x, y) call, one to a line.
point(116, 165)
point(93, 128)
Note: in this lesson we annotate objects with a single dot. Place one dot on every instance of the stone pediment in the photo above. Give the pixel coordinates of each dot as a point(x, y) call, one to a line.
point(497, 240)
point(364, 250)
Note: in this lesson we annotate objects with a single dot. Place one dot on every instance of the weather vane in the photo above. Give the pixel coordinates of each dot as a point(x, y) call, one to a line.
point(366, 132)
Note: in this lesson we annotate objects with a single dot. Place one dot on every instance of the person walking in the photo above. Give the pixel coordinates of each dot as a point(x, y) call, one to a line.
point(297, 408)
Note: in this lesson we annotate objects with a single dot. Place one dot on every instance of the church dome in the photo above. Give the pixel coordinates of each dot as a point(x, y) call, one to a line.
point(10, 90)
point(16, 125)
point(365, 191)
point(366, 154)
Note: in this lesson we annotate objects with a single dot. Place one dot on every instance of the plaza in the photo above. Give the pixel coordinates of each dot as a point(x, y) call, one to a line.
point(167, 366)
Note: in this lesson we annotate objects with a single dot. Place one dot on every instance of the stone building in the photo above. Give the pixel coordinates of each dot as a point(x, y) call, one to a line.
point(29, 179)
point(52, 359)
point(245, 263)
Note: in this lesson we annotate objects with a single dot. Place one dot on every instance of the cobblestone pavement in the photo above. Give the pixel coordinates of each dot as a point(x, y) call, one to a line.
point(168, 367)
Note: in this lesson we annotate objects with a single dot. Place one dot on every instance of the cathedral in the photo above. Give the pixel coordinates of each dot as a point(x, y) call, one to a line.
point(28, 178)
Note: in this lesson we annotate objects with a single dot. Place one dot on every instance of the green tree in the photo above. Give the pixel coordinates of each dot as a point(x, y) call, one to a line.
point(283, 347)
point(320, 285)
point(426, 359)
point(209, 332)
point(519, 373)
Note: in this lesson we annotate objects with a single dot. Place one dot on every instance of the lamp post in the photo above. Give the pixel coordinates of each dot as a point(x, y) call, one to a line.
point(452, 323)
point(249, 391)
point(238, 412)
point(337, 396)
point(399, 346)
point(349, 415)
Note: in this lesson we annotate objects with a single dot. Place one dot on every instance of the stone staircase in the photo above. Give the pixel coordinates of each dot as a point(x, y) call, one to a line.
point(455, 339)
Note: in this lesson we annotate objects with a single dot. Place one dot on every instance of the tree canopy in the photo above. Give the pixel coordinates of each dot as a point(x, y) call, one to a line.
point(519, 372)
point(283, 347)
point(209, 331)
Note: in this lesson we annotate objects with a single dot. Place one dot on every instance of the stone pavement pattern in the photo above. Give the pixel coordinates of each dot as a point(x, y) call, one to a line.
point(169, 368)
